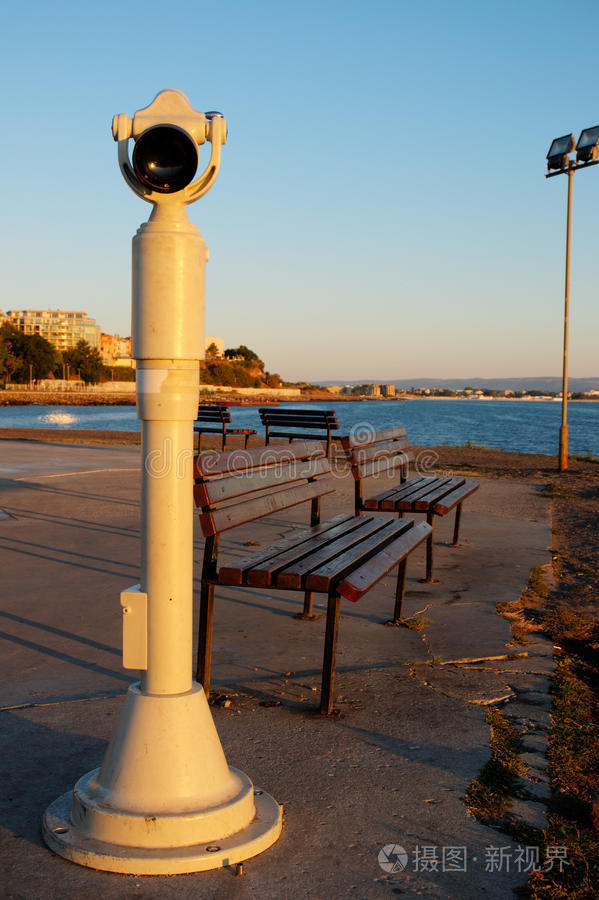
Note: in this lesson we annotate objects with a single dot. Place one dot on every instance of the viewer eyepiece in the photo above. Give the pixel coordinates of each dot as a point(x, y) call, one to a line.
point(165, 158)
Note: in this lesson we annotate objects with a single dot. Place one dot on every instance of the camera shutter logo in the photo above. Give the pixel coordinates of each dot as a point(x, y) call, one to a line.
point(393, 858)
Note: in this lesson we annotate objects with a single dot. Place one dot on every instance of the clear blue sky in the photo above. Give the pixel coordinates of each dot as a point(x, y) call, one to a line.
point(381, 210)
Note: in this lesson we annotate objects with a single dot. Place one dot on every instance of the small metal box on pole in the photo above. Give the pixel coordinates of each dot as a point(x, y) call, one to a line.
point(165, 801)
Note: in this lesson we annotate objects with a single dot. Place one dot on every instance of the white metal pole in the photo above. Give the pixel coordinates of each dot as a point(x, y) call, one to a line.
point(563, 432)
point(168, 335)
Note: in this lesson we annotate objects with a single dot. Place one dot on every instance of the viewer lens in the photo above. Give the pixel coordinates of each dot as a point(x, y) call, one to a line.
point(165, 158)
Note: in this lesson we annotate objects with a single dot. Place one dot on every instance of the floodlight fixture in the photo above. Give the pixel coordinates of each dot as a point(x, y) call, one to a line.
point(557, 157)
point(587, 147)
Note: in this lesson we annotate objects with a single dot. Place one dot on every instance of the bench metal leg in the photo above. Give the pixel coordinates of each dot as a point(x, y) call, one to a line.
point(357, 497)
point(308, 611)
point(430, 518)
point(456, 527)
point(330, 652)
point(245, 446)
point(400, 591)
point(205, 636)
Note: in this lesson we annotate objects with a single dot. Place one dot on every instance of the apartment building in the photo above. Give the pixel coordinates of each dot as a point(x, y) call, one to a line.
point(63, 329)
point(115, 350)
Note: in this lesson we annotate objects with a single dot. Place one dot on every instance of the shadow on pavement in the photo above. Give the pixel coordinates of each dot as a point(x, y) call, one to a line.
point(37, 765)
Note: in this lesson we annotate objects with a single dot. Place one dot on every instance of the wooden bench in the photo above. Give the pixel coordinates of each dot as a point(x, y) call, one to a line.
point(343, 557)
point(219, 417)
point(383, 452)
point(323, 420)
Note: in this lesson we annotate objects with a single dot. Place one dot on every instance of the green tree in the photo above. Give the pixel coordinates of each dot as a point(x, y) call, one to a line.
point(248, 355)
point(85, 360)
point(3, 359)
point(42, 356)
point(118, 373)
point(25, 356)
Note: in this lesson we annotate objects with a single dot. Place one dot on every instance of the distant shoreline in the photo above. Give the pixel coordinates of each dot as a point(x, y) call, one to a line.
point(64, 398)
point(510, 399)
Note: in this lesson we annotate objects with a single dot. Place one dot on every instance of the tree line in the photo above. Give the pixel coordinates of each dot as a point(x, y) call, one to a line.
point(239, 367)
point(29, 358)
point(26, 358)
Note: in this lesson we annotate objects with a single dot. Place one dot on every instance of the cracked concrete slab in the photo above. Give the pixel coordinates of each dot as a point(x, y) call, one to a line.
point(461, 683)
point(392, 769)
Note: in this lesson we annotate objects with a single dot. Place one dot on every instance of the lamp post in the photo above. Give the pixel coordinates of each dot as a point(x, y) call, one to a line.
point(559, 163)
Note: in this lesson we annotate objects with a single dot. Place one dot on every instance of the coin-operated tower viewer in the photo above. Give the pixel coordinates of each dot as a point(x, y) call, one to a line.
point(165, 800)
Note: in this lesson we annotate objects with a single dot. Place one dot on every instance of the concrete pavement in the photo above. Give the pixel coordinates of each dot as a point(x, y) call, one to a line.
point(391, 771)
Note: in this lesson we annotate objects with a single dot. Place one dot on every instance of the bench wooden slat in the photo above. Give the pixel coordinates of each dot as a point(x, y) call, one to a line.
point(387, 464)
point(217, 490)
point(386, 434)
point(378, 451)
point(217, 520)
point(388, 499)
point(284, 413)
point(236, 573)
point(208, 430)
point(424, 502)
point(406, 501)
point(211, 462)
point(411, 484)
point(297, 435)
point(358, 582)
point(294, 575)
point(267, 573)
point(450, 500)
point(213, 414)
point(304, 422)
point(323, 578)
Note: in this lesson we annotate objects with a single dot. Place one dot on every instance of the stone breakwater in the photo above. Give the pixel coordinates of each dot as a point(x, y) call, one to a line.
point(114, 398)
point(65, 398)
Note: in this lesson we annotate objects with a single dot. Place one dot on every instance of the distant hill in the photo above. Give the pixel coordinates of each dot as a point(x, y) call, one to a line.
point(536, 383)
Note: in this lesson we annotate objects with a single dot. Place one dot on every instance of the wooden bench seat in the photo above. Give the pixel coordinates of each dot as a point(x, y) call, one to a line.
point(284, 419)
point(343, 557)
point(215, 418)
point(383, 453)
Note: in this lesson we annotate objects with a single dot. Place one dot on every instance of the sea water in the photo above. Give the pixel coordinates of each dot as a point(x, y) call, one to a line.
point(523, 426)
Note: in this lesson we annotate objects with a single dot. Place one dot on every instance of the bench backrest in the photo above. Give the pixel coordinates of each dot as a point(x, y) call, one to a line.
point(214, 412)
point(238, 486)
point(299, 418)
point(378, 452)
